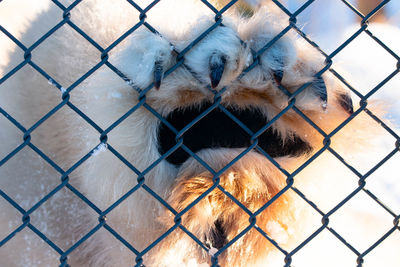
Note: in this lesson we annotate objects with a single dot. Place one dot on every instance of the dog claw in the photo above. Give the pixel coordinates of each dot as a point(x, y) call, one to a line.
point(278, 76)
point(217, 66)
point(346, 103)
point(320, 90)
point(158, 74)
point(277, 71)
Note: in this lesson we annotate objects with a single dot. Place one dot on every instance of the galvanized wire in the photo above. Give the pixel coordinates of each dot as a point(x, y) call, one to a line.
point(141, 181)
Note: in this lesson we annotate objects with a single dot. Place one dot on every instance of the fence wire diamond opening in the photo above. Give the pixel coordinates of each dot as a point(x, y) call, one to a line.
point(64, 175)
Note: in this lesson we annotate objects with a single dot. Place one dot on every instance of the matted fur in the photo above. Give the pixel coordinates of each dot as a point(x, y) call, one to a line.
point(103, 179)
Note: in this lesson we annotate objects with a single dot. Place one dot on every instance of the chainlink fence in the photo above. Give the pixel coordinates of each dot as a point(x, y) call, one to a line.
point(66, 92)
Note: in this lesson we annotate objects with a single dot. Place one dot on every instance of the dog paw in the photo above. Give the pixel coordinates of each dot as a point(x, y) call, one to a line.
point(146, 58)
point(219, 58)
point(216, 219)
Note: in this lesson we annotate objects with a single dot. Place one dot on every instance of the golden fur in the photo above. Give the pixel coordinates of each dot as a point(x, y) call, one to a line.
point(103, 179)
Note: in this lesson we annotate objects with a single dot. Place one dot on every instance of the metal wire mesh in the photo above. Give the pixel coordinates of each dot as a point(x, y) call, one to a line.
point(66, 92)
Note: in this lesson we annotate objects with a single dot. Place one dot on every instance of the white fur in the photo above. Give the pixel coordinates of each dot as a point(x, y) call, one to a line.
point(104, 97)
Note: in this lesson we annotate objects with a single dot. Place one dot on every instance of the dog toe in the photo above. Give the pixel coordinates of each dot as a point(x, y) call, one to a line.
point(150, 55)
point(218, 59)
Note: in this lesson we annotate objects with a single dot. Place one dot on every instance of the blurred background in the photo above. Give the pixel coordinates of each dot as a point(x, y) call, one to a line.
point(327, 18)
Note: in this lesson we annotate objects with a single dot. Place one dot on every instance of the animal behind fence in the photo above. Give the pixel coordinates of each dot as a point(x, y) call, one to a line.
point(190, 133)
